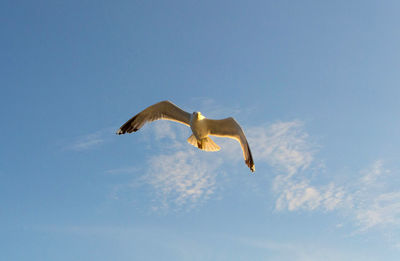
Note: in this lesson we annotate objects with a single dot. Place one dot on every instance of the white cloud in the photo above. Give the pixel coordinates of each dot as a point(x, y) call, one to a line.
point(283, 145)
point(181, 178)
point(163, 129)
point(295, 195)
point(179, 175)
point(286, 147)
point(372, 175)
point(374, 204)
point(367, 199)
point(381, 211)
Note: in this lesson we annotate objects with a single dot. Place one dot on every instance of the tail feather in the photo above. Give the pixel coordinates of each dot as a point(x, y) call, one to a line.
point(206, 144)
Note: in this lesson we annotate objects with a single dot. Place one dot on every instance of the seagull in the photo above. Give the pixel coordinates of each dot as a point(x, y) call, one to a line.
point(201, 127)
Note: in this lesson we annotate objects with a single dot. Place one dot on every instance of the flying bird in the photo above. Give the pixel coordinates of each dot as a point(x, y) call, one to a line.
point(201, 127)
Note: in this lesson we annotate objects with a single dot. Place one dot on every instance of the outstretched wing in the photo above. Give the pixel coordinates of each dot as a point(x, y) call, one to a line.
point(230, 128)
point(164, 110)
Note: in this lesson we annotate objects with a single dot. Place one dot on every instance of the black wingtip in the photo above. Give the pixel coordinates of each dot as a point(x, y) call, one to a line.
point(251, 165)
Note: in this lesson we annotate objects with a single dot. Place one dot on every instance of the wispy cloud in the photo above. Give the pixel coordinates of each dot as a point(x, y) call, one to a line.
point(381, 211)
point(283, 145)
point(367, 199)
point(372, 175)
point(181, 179)
point(179, 176)
point(86, 142)
point(162, 130)
point(293, 251)
point(301, 195)
point(374, 203)
point(89, 141)
point(286, 147)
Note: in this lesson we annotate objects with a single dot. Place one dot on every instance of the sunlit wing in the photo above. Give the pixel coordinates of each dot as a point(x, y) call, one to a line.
point(230, 128)
point(164, 110)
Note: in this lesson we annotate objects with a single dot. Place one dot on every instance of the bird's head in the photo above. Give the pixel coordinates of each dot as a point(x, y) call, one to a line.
point(198, 115)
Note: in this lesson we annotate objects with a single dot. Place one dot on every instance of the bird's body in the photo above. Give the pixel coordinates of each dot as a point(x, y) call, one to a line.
point(198, 125)
point(201, 127)
point(200, 130)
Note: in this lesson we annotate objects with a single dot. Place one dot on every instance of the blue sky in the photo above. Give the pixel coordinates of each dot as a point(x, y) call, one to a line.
point(314, 85)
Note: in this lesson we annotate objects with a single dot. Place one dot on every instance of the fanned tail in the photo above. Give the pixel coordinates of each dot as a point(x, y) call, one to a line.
point(206, 144)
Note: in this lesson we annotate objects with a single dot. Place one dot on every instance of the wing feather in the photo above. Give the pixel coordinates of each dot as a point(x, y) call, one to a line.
point(164, 110)
point(231, 129)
